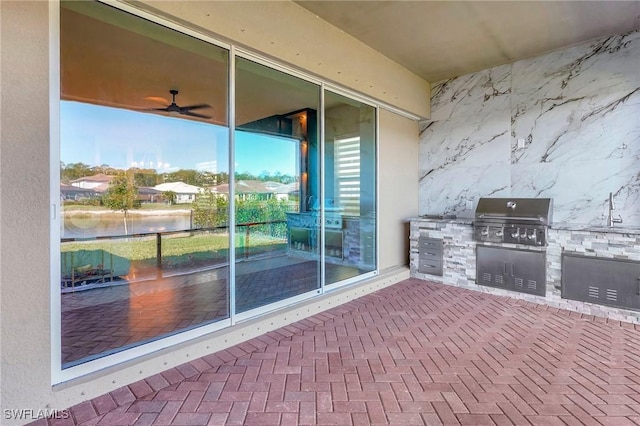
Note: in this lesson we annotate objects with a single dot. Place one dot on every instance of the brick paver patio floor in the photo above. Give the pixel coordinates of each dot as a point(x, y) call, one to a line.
point(413, 353)
point(109, 319)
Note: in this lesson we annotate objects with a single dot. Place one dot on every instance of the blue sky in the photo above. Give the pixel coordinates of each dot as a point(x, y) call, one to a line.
point(256, 153)
point(97, 135)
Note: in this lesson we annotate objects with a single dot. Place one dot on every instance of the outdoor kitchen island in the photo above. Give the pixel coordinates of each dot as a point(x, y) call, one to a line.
point(611, 252)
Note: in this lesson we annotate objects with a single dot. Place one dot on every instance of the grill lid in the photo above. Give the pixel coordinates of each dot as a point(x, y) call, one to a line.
point(538, 210)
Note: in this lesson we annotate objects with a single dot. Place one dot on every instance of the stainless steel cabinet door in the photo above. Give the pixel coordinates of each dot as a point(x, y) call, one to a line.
point(492, 267)
point(528, 271)
point(602, 281)
point(511, 269)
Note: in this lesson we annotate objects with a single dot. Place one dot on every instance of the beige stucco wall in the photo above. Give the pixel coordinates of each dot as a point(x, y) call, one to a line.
point(397, 186)
point(24, 203)
point(25, 314)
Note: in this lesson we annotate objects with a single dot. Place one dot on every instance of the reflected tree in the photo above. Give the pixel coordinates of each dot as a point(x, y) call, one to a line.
point(73, 171)
point(122, 195)
point(210, 210)
point(170, 197)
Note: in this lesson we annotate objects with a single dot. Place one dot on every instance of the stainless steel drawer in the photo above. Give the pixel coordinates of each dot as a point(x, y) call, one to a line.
point(430, 267)
point(430, 255)
point(430, 243)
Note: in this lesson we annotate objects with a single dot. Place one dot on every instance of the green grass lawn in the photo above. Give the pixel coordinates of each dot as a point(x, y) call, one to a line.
point(178, 247)
point(184, 249)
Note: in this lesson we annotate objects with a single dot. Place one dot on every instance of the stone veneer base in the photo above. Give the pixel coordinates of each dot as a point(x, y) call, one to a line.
point(459, 260)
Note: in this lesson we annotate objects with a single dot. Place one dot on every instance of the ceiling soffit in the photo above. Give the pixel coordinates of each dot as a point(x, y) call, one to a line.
point(444, 39)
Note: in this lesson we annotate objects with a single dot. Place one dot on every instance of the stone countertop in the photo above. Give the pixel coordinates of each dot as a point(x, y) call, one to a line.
point(561, 226)
point(618, 229)
point(442, 219)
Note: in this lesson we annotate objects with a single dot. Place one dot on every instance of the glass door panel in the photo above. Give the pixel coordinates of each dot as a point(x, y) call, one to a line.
point(350, 188)
point(276, 186)
point(144, 162)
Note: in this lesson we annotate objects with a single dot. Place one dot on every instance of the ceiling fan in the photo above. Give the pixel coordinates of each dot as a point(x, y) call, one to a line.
point(174, 108)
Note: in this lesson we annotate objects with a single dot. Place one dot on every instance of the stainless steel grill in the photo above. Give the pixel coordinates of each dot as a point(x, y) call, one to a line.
point(513, 220)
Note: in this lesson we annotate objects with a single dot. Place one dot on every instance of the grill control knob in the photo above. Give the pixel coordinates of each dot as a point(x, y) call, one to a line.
point(515, 234)
point(532, 236)
point(499, 234)
point(484, 233)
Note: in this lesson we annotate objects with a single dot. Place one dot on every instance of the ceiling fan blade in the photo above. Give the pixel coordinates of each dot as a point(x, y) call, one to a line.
point(195, 114)
point(174, 108)
point(196, 106)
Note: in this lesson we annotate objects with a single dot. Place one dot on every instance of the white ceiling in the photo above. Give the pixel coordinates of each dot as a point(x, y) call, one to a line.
point(444, 39)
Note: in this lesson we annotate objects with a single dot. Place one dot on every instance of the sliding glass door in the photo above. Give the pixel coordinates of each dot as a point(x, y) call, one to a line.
point(180, 215)
point(350, 188)
point(276, 187)
point(144, 160)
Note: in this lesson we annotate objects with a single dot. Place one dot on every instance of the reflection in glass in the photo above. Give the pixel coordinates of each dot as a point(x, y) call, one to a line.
point(145, 247)
point(277, 186)
point(145, 189)
point(350, 188)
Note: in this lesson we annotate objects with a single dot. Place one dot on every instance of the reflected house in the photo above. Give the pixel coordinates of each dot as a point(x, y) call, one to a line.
point(259, 190)
point(149, 195)
point(96, 185)
point(185, 193)
point(255, 189)
point(288, 190)
point(70, 192)
point(92, 182)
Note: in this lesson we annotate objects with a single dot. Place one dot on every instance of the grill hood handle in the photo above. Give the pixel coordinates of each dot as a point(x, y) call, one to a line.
point(526, 219)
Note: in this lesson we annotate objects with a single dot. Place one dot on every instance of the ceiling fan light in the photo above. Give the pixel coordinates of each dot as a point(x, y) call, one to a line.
point(158, 99)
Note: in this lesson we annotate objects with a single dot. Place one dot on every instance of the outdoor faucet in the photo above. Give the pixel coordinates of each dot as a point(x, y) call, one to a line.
point(612, 220)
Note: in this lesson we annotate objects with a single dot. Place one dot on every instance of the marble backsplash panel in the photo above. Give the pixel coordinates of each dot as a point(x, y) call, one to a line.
point(472, 94)
point(476, 110)
point(578, 112)
point(455, 190)
point(579, 194)
point(578, 104)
